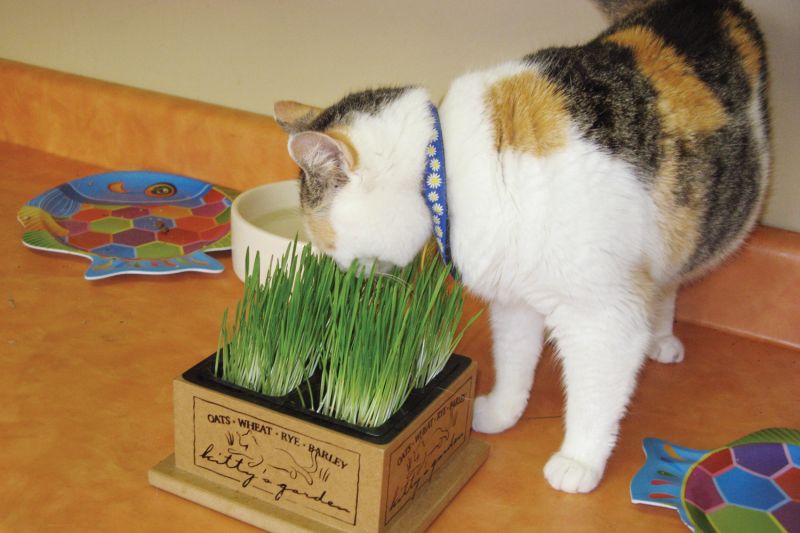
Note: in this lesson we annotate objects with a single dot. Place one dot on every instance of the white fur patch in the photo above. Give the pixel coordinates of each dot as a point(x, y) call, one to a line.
point(539, 228)
point(380, 213)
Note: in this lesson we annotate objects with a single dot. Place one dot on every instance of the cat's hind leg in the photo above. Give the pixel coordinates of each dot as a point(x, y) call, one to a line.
point(601, 348)
point(517, 332)
point(664, 346)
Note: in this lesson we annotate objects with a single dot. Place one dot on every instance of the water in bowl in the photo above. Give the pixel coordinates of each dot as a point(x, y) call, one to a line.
point(285, 223)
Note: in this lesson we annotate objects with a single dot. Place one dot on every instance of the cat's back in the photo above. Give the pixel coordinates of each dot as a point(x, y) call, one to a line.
point(677, 68)
point(676, 91)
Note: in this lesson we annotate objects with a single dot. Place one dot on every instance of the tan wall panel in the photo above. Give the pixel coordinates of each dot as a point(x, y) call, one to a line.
point(248, 53)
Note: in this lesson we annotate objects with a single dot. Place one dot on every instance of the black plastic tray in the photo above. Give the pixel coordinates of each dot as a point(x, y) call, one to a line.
point(203, 374)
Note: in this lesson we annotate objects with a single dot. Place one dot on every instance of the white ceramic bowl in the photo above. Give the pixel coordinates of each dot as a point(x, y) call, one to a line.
point(265, 219)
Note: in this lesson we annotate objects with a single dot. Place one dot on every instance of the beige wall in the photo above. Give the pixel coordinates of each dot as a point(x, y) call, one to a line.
point(248, 53)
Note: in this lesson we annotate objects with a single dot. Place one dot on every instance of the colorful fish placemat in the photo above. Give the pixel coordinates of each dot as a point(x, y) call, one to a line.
point(750, 485)
point(132, 222)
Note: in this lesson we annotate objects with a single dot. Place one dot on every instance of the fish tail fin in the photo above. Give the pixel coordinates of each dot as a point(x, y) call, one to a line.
point(37, 219)
point(660, 480)
point(41, 230)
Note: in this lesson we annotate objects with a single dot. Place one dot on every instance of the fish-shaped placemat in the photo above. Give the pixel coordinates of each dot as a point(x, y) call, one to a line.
point(132, 222)
point(750, 485)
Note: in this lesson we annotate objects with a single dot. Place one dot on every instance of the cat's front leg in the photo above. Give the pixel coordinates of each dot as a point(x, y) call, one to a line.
point(517, 332)
point(601, 351)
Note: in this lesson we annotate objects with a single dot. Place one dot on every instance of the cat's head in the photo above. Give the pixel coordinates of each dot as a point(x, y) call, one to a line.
point(361, 164)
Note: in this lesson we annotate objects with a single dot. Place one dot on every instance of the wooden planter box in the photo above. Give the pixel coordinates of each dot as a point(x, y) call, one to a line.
point(277, 466)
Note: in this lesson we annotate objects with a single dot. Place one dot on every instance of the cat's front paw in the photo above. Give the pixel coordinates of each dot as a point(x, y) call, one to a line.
point(667, 349)
point(492, 415)
point(569, 475)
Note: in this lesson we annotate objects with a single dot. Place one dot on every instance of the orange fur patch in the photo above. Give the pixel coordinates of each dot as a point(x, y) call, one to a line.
point(688, 109)
point(321, 232)
point(745, 45)
point(529, 114)
point(686, 105)
point(680, 224)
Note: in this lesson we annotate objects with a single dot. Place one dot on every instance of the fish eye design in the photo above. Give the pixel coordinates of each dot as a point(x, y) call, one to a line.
point(161, 190)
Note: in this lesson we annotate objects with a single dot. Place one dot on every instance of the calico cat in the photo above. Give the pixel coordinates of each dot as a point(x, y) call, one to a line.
point(584, 184)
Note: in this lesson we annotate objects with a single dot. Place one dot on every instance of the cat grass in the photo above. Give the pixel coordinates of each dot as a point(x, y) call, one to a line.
point(367, 338)
point(275, 341)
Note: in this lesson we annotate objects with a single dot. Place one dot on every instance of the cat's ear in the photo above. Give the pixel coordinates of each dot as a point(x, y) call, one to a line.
point(295, 117)
point(321, 156)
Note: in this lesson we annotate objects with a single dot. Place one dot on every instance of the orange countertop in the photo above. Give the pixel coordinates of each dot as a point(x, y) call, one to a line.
point(87, 367)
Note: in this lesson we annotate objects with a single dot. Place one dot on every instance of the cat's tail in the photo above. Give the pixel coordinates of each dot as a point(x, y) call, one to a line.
point(619, 9)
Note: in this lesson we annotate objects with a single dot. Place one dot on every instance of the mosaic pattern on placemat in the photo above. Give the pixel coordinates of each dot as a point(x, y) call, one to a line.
point(753, 487)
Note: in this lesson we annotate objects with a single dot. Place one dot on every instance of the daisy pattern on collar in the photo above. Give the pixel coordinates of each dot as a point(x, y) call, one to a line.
point(435, 188)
